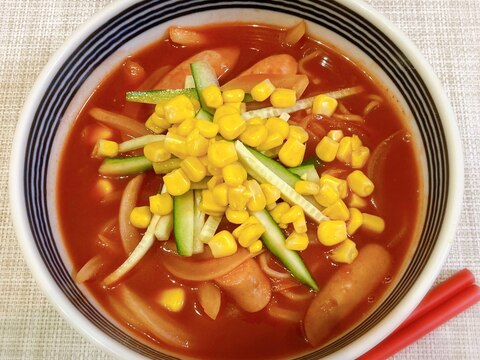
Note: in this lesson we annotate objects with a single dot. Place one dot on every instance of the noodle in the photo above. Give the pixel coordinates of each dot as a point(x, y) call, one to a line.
point(263, 259)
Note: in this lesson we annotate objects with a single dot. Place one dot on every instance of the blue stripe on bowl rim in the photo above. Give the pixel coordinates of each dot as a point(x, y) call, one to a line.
point(145, 15)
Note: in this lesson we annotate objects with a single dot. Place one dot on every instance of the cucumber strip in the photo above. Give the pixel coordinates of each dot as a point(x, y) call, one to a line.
point(124, 166)
point(164, 167)
point(189, 82)
point(204, 115)
point(279, 170)
point(198, 222)
point(274, 241)
point(183, 222)
point(157, 96)
point(203, 76)
point(164, 227)
point(307, 172)
point(264, 174)
point(139, 142)
point(209, 228)
point(137, 254)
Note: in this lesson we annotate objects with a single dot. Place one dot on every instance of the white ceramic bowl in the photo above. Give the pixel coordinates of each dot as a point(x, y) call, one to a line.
point(126, 26)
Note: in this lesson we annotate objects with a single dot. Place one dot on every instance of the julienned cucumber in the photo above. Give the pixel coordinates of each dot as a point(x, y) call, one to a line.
point(308, 171)
point(274, 241)
point(183, 222)
point(125, 166)
point(156, 96)
point(203, 75)
point(282, 172)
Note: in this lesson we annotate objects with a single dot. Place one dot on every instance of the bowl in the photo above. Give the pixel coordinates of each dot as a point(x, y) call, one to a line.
point(126, 26)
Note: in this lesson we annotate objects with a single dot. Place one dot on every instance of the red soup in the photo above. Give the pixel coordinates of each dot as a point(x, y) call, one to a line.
point(257, 209)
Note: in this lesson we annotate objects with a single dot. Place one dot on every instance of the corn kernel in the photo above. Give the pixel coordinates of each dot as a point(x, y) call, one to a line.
point(251, 220)
point(213, 170)
point(332, 232)
point(293, 214)
point(177, 182)
point(355, 201)
point(196, 144)
point(356, 142)
point(324, 105)
point(254, 135)
point(250, 234)
point(156, 151)
point(327, 195)
point(307, 187)
point(277, 125)
point(221, 153)
point(296, 241)
point(160, 108)
point(283, 98)
point(233, 96)
point(298, 133)
point(257, 201)
point(326, 149)
point(345, 253)
point(236, 216)
point(161, 204)
point(344, 152)
point(337, 211)
point(193, 168)
point(300, 225)
point(256, 121)
point(172, 299)
point(140, 217)
point(227, 109)
point(178, 109)
point(186, 126)
point(150, 125)
point(355, 221)
point(292, 152)
point(262, 90)
point(256, 247)
point(212, 96)
point(278, 211)
point(105, 148)
point(340, 184)
point(272, 141)
point(336, 135)
point(222, 244)
point(238, 197)
point(214, 181)
point(209, 205)
point(231, 126)
point(373, 223)
point(220, 194)
point(360, 157)
point(360, 184)
point(271, 192)
point(234, 174)
point(176, 145)
point(207, 129)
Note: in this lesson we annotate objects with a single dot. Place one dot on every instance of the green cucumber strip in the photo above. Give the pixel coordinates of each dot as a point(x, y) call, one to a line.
point(124, 166)
point(198, 222)
point(204, 115)
point(164, 167)
point(279, 170)
point(274, 241)
point(262, 173)
point(203, 76)
point(308, 171)
point(139, 142)
point(189, 82)
point(157, 96)
point(183, 222)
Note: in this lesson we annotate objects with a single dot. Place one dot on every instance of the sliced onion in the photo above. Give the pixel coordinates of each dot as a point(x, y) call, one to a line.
point(284, 284)
point(105, 242)
point(210, 298)
point(184, 36)
point(120, 122)
point(373, 104)
point(295, 33)
point(128, 233)
point(90, 269)
point(305, 59)
point(348, 117)
point(296, 296)
point(263, 259)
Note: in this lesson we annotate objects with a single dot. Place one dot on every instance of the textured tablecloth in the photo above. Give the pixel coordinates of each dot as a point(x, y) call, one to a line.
point(446, 31)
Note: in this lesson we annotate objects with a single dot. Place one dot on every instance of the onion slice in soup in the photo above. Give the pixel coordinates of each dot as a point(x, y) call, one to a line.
point(210, 298)
point(128, 233)
point(90, 269)
point(119, 122)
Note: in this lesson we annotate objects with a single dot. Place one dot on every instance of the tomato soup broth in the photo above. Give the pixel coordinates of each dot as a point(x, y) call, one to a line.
point(235, 333)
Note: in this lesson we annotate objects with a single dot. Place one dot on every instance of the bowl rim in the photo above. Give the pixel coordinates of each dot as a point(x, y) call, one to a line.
point(357, 347)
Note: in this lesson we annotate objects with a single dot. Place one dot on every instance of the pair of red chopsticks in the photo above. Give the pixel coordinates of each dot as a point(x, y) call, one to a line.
point(442, 303)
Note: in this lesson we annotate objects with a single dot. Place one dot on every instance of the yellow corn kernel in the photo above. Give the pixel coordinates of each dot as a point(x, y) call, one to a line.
point(212, 96)
point(140, 217)
point(257, 201)
point(176, 145)
point(278, 211)
point(262, 90)
point(355, 221)
point(373, 223)
point(150, 125)
point(207, 129)
point(178, 109)
point(193, 168)
point(324, 105)
point(238, 197)
point(340, 184)
point(296, 241)
point(254, 135)
point(213, 170)
point(172, 299)
point(292, 152)
point(277, 125)
point(105, 148)
point(250, 234)
point(222, 244)
point(360, 184)
point(196, 144)
point(360, 157)
point(256, 121)
point(298, 133)
point(251, 220)
point(307, 187)
point(332, 232)
point(231, 126)
point(214, 181)
point(293, 214)
point(344, 152)
point(186, 126)
point(221, 153)
point(220, 194)
point(271, 192)
point(234, 174)
point(355, 201)
point(236, 216)
point(326, 149)
point(345, 253)
point(209, 205)
point(156, 151)
point(356, 142)
point(177, 182)
point(227, 109)
point(336, 135)
point(337, 211)
point(272, 141)
point(233, 96)
point(103, 187)
point(327, 194)
point(300, 225)
point(256, 247)
point(161, 204)
point(283, 98)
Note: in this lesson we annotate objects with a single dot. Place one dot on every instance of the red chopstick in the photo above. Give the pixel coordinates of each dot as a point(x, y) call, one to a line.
point(444, 302)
